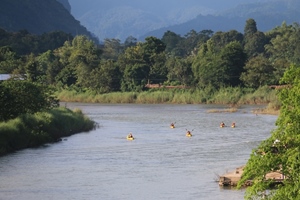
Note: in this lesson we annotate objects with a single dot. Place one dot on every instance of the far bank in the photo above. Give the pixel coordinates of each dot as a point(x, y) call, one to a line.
point(231, 96)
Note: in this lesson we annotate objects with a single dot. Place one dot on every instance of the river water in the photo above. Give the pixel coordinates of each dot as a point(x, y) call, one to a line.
point(161, 163)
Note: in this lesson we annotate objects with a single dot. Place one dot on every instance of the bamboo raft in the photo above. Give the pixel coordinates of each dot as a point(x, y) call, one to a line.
point(232, 178)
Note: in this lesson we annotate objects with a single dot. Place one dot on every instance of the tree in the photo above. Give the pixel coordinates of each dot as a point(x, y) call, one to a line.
point(79, 57)
point(233, 59)
point(220, 39)
point(20, 97)
point(50, 65)
point(106, 77)
point(154, 57)
point(284, 43)
point(134, 69)
point(207, 68)
point(280, 152)
point(134, 77)
point(191, 41)
point(112, 49)
point(250, 28)
point(255, 44)
point(179, 70)
point(171, 40)
point(129, 42)
point(8, 60)
point(258, 72)
point(31, 69)
point(254, 40)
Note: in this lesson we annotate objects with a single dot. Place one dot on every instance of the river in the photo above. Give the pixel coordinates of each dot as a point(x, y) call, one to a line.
point(161, 163)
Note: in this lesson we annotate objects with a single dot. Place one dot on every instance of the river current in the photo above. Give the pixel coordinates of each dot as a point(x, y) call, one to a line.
point(161, 163)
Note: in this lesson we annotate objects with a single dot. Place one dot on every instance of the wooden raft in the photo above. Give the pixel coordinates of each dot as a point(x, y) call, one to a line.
point(232, 178)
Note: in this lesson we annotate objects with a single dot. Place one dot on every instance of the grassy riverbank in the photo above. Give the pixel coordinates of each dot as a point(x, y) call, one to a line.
point(32, 130)
point(227, 96)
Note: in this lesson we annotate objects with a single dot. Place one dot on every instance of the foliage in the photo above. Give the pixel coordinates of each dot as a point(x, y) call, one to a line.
point(283, 155)
point(20, 97)
point(258, 72)
point(179, 71)
point(9, 60)
point(134, 68)
point(24, 43)
point(233, 59)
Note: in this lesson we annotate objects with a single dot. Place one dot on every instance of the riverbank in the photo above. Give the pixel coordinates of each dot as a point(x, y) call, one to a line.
point(32, 130)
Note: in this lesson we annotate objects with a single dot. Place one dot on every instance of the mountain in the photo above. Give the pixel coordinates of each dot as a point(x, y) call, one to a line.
point(66, 4)
point(38, 17)
point(120, 19)
point(267, 15)
point(141, 18)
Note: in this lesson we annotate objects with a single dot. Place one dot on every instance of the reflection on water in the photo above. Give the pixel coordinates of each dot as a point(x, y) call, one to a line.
point(161, 163)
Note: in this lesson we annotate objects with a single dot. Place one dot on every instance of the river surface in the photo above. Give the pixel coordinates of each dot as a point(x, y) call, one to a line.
point(160, 164)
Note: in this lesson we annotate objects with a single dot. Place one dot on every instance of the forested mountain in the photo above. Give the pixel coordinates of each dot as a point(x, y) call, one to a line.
point(267, 15)
point(120, 19)
point(39, 17)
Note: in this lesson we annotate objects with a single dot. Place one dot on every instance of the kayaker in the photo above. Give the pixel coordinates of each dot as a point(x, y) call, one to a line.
point(222, 124)
point(130, 135)
point(233, 124)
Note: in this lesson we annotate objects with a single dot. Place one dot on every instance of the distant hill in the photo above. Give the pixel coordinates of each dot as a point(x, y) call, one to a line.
point(141, 18)
point(267, 15)
point(39, 17)
point(120, 19)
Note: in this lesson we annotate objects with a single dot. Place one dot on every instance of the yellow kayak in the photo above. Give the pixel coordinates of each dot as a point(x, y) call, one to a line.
point(188, 135)
point(130, 138)
point(172, 126)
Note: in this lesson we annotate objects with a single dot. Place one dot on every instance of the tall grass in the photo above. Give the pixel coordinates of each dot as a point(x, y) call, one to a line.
point(31, 130)
point(155, 97)
point(262, 95)
point(225, 95)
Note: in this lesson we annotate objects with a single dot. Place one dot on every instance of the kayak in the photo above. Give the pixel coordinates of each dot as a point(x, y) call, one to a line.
point(188, 135)
point(130, 138)
point(222, 126)
point(172, 126)
point(232, 126)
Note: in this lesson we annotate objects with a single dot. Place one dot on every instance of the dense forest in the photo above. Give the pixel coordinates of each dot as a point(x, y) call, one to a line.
point(199, 59)
point(195, 62)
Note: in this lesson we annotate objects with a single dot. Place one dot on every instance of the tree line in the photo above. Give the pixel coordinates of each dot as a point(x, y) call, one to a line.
point(197, 59)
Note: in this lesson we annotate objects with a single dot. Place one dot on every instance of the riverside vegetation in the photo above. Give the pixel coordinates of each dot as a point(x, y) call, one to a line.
point(233, 97)
point(30, 116)
point(33, 130)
